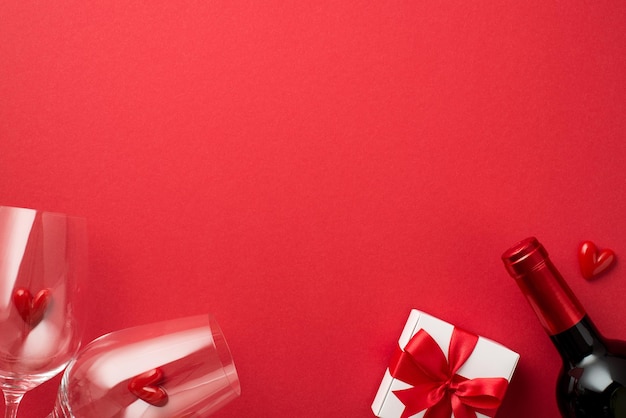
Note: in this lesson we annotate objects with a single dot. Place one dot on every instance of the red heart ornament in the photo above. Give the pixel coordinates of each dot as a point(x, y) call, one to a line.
point(592, 262)
point(146, 387)
point(31, 309)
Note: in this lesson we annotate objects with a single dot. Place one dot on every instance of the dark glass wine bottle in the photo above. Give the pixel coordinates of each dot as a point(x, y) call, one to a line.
point(592, 381)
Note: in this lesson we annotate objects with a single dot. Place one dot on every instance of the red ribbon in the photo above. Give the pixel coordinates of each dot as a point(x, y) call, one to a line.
point(436, 385)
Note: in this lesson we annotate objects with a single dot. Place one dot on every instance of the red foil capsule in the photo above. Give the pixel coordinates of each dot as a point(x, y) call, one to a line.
point(553, 301)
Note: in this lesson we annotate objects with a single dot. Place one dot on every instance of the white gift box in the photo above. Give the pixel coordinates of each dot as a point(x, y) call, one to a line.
point(489, 359)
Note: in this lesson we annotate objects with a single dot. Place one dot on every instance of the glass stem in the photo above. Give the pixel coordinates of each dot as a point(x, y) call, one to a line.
point(12, 403)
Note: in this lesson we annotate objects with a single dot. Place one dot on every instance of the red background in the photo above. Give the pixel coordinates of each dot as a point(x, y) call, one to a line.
point(310, 171)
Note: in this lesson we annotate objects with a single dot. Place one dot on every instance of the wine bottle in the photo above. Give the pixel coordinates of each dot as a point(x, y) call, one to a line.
point(592, 381)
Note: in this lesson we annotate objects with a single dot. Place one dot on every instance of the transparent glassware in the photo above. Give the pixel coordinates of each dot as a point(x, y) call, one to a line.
point(173, 369)
point(43, 264)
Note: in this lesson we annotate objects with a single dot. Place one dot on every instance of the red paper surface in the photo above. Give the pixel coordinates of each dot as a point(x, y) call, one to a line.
point(308, 172)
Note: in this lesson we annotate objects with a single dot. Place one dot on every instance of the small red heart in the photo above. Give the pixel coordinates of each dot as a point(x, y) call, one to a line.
point(31, 309)
point(593, 263)
point(146, 387)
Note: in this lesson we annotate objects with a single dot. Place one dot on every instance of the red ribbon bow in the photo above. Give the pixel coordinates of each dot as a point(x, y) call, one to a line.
point(436, 386)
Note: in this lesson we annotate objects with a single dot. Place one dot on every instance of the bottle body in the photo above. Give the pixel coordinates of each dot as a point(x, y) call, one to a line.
point(592, 381)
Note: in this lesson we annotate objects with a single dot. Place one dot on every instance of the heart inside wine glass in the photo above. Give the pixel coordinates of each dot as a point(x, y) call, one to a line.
point(32, 308)
point(146, 387)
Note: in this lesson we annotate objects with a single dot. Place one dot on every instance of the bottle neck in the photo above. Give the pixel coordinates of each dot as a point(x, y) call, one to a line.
point(579, 341)
point(554, 303)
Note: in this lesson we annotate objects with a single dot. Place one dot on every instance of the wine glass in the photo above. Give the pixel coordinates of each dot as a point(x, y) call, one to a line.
point(43, 260)
point(180, 368)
